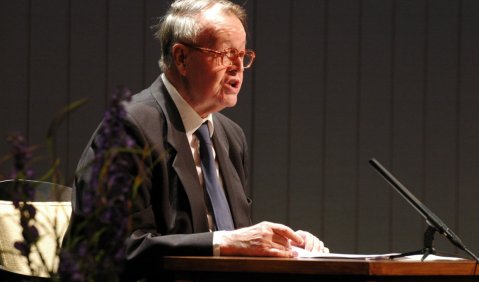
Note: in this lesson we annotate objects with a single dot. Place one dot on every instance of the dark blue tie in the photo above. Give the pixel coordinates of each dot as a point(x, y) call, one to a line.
point(221, 210)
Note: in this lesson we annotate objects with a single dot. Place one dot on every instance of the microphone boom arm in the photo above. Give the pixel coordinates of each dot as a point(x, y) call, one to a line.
point(432, 220)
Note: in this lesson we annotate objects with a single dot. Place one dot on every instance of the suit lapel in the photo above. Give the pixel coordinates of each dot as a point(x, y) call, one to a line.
point(183, 162)
point(231, 180)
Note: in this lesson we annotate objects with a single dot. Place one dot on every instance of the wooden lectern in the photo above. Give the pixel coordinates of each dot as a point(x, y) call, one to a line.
point(280, 269)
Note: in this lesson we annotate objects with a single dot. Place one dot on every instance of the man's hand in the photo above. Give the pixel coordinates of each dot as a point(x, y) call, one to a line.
point(263, 239)
point(311, 242)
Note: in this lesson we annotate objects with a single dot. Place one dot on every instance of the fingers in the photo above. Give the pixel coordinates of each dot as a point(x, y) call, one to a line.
point(268, 239)
point(262, 239)
point(279, 250)
point(311, 242)
point(282, 253)
point(280, 240)
point(287, 233)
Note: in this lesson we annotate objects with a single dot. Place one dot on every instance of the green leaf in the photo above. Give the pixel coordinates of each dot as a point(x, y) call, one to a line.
point(61, 116)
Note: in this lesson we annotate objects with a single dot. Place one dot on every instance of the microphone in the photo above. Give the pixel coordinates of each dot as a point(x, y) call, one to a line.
point(431, 219)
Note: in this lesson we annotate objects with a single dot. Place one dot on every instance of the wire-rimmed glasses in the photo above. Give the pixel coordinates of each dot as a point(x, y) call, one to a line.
point(231, 55)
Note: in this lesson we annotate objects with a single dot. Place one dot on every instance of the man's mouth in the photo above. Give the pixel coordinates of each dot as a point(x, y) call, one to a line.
point(234, 83)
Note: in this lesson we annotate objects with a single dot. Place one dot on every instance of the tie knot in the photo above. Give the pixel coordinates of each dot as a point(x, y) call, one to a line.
point(203, 133)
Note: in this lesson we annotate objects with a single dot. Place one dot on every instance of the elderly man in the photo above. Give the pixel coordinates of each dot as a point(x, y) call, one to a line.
point(188, 205)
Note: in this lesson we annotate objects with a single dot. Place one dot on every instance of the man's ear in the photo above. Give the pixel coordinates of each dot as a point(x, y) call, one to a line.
point(180, 53)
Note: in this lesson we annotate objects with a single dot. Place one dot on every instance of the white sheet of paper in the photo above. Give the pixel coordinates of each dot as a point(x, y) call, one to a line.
point(306, 254)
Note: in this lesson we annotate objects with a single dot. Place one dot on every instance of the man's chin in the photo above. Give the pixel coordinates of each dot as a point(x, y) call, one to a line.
point(229, 100)
point(229, 103)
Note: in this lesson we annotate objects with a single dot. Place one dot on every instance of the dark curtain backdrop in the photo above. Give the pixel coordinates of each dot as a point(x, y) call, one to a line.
point(335, 83)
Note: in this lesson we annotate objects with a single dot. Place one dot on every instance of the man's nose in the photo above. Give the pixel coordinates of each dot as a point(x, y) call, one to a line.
point(237, 63)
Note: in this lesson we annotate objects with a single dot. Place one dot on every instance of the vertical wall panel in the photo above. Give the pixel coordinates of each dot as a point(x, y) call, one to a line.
point(408, 121)
point(88, 53)
point(271, 111)
point(373, 213)
point(307, 115)
point(335, 83)
point(242, 113)
point(441, 112)
point(49, 76)
point(341, 131)
point(126, 35)
point(14, 70)
point(468, 194)
point(153, 11)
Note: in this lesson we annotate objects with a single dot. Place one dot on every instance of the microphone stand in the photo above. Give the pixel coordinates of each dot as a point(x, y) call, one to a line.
point(435, 224)
point(427, 249)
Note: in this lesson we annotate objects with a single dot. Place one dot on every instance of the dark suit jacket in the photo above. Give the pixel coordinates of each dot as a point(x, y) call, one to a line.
point(169, 213)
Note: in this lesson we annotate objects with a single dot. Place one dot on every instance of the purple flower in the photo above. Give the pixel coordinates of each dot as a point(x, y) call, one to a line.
point(70, 266)
point(99, 251)
point(23, 192)
point(23, 248)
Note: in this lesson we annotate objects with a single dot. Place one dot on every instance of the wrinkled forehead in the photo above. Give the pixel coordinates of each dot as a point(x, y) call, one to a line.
point(218, 24)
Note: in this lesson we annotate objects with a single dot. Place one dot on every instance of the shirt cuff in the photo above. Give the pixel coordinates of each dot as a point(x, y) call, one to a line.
point(217, 240)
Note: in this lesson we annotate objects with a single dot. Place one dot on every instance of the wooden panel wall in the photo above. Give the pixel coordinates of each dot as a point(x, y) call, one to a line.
point(335, 83)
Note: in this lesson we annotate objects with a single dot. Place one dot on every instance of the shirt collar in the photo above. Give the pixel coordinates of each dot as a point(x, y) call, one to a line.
point(191, 119)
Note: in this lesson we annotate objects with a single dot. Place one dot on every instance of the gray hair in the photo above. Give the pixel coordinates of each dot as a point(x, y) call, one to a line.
point(181, 24)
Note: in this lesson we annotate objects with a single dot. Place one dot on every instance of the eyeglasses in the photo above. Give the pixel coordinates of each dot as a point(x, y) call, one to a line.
point(229, 56)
